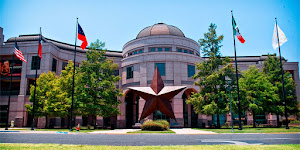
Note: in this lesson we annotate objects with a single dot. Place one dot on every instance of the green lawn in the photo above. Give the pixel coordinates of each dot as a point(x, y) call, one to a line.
point(141, 131)
point(195, 147)
point(255, 130)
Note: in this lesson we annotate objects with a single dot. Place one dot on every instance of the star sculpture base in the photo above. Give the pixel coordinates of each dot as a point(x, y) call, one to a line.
point(157, 96)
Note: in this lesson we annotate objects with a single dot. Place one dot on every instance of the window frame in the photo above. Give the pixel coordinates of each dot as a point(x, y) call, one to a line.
point(162, 73)
point(129, 72)
point(188, 70)
point(33, 62)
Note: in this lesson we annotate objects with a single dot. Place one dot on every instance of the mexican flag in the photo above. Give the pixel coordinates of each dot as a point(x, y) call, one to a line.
point(237, 32)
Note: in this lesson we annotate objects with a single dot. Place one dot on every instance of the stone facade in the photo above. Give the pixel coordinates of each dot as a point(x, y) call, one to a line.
point(159, 44)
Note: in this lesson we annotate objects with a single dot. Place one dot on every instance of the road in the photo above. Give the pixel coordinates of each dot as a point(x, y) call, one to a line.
point(150, 139)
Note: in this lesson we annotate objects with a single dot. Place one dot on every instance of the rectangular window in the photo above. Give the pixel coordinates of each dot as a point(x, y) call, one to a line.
point(191, 70)
point(35, 63)
point(161, 68)
point(185, 51)
point(152, 50)
point(64, 64)
point(167, 49)
point(159, 49)
point(135, 52)
point(129, 72)
point(179, 50)
point(141, 51)
point(54, 62)
point(129, 54)
point(191, 52)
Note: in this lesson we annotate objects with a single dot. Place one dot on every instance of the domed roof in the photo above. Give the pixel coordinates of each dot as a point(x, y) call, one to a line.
point(160, 29)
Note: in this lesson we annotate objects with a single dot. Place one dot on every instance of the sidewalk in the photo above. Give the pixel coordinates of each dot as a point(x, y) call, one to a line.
point(116, 131)
point(191, 131)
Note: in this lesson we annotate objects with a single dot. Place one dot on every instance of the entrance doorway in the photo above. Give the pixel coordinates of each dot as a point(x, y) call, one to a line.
point(188, 112)
point(132, 109)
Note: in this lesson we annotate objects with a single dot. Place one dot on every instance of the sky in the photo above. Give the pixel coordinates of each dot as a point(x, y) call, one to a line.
point(117, 21)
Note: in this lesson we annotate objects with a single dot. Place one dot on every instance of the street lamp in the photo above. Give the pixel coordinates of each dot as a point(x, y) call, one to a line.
point(228, 85)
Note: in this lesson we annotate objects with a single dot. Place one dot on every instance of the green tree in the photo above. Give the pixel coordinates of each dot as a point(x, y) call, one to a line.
point(60, 96)
point(44, 84)
point(273, 70)
point(212, 98)
point(257, 94)
point(97, 93)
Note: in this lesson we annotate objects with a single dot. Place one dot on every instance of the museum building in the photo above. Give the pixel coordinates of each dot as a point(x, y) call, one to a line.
point(159, 46)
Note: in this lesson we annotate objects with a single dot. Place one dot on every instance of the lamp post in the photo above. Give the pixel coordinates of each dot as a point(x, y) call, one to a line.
point(228, 84)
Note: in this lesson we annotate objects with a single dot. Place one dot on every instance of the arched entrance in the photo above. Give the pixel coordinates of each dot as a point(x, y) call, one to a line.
point(189, 115)
point(132, 108)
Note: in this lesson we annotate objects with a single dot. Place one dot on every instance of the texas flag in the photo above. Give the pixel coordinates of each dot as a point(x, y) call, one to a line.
point(81, 36)
point(237, 32)
point(40, 45)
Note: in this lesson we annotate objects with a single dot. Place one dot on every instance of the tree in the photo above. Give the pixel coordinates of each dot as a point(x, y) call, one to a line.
point(60, 96)
point(97, 93)
point(44, 84)
point(258, 95)
point(212, 98)
point(273, 70)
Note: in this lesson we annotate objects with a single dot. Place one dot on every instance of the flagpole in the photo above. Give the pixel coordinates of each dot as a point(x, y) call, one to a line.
point(36, 68)
point(282, 80)
point(71, 119)
point(12, 70)
point(237, 77)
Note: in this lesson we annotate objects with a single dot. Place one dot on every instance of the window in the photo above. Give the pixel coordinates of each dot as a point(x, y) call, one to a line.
point(141, 51)
point(129, 54)
point(159, 49)
point(129, 72)
point(191, 52)
point(64, 64)
point(161, 68)
point(191, 70)
point(179, 50)
point(135, 52)
point(167, 49)
point(54, 62)
point(35, 63)
point(185, 51)
point(152, 50)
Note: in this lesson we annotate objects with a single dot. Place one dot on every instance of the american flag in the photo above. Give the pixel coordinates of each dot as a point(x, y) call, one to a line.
point(18, 53)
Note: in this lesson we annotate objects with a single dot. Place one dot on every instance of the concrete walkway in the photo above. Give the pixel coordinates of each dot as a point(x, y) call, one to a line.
point(191, 131)
point(116, 131)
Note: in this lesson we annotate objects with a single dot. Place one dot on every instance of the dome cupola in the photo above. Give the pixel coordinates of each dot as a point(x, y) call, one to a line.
point(160, 29)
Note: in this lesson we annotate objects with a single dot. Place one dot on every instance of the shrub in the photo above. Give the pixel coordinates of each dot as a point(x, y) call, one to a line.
point(226, 125)
point(157, 125)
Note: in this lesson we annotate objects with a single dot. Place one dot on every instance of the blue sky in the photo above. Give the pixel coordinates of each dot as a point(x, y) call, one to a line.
point(117, 22)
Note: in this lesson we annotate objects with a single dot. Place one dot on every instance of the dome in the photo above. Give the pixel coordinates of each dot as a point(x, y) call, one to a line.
point(160, 29)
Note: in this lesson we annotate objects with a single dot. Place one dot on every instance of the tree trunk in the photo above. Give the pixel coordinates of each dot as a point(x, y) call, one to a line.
point(95, 122)
point(254, 119)
point(46, 125)
point(218, 121)
point(278, 121)
point(68, 125)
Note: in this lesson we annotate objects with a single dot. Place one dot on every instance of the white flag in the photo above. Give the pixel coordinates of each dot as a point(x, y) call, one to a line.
point(282, 38)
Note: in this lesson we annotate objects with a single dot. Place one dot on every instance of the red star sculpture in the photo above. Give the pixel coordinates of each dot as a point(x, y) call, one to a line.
point(157, 96)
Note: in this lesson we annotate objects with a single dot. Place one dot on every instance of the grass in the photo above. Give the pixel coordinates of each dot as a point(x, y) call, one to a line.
point(145, 131)
point(255, 130)
point(184, 147)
